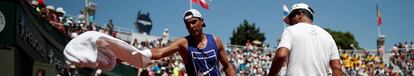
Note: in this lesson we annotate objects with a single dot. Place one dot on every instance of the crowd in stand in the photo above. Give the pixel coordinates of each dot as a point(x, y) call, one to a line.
point(69, 25)
point(250, 60)
point(403, 57)
point(167, 66)
point(369, 64)
point(364, 64)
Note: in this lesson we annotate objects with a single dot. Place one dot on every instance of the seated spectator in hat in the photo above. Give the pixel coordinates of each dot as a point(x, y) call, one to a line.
point(60, 16)
point(35, 5)
point(53, 18)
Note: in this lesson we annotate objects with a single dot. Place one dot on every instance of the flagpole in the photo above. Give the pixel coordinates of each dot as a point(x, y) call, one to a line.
point(379, 24)
point(191, 1)
point(379, 32)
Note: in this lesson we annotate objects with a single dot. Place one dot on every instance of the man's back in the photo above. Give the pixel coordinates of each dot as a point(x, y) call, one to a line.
point(311, 50)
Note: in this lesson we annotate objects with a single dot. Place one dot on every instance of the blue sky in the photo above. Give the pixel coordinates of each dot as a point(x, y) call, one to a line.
point(355, 16)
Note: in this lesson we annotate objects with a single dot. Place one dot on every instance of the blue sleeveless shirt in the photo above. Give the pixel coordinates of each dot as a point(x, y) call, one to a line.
point(202, 61)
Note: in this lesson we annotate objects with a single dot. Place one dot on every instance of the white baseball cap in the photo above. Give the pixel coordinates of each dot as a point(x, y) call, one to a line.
point(50, 7)
point(34, 2)
point(301, 6)
point(192, 13)
point(60, 9)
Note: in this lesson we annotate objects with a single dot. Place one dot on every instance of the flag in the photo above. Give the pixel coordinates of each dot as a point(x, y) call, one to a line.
point(285, 10)
point(379, 19)
point(203, 3)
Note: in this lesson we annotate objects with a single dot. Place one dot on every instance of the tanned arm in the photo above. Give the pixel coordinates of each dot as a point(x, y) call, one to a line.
point(336, 67)
point(175, 46)
point(278, 60)
point(228, 68)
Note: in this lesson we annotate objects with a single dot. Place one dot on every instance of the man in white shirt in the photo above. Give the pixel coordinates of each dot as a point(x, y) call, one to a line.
point(311, 51)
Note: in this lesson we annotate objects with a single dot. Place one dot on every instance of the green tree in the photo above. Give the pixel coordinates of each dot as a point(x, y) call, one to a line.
point(246, 31)
point(343, 39)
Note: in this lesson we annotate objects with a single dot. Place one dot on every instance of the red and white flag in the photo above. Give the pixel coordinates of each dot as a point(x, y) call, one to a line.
point(203, 3)
point(379, 19)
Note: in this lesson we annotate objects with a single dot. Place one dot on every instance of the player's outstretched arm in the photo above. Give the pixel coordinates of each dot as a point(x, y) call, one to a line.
point(141, 58)
point(173, 47)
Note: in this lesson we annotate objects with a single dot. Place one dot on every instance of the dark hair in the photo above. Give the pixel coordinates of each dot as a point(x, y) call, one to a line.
point(304, 11)
point(187, 14)
point(42, 72)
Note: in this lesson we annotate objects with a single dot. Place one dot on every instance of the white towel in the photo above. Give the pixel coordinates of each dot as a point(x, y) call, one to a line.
point(83, 50)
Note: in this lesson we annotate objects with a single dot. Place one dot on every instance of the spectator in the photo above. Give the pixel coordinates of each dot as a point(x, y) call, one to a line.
point(60, 18)
point(110, 27)
point(35, 5)
point(53, 18)
point(50, 13)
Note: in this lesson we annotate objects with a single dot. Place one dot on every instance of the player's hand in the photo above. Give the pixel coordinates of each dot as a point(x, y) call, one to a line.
point(90, 50)
point(106, 59)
